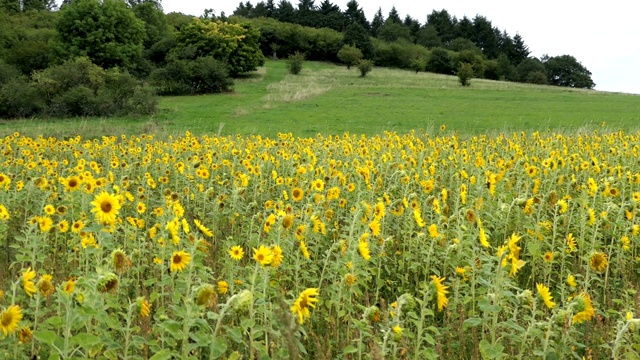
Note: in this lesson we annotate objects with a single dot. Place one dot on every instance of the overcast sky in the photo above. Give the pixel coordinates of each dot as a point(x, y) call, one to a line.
point(604, 36)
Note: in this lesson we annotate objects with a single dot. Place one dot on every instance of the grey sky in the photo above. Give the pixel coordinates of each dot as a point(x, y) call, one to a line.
point(603, 36)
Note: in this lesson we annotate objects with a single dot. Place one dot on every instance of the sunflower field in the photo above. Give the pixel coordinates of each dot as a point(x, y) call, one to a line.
point(396, 246)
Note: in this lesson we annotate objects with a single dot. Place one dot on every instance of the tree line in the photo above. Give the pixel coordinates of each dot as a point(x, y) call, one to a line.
point(439, 45)
point(119, 53)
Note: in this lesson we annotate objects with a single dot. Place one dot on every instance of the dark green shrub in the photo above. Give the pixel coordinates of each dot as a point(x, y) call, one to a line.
point(201, 76)
point(19, 99)
point(465, 73)
point(418, 64)
point(365, 67)
point(350, 55)
point(440, 62)
point(77, 101)
point(295, 62)
point(7, 72)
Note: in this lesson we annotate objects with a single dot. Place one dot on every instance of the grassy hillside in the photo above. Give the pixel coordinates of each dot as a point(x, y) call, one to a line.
point(330, 99)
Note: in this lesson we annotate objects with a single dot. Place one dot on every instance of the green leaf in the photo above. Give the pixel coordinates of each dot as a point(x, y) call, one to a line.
point(350, 350)
point(491, 351)
point(487, 307)
point(164, 354)
point(87, 341)
point(48, 337)
point(472, 322)
point(218, 347)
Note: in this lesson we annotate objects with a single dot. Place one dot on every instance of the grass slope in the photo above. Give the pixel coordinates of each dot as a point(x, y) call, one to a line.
point(330, 99)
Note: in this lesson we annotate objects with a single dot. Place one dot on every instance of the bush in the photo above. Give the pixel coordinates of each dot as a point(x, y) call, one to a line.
point(350, 55)
point(418, 64)
point(203, 75)
point(365, 66)
point(19, 99)
point(440, 62)
point(465, 73)
point(7, 72)
point(294, 63)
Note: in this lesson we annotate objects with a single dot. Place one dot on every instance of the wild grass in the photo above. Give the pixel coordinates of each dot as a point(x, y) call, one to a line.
point(330, 99)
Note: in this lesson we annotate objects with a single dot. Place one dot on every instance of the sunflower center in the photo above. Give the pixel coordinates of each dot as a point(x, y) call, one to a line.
point(73, 183)
point(303, 303)
point(177, 259)
point(260, 257)
point(6, 319)
point(106, 206)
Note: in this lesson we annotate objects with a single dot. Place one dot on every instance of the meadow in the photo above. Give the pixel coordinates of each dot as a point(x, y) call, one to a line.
point(343, 238)
point(330, 99)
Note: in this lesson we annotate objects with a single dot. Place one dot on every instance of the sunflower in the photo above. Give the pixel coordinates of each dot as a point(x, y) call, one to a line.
point(72, 183)
point(223, 287)
point(571, 281)
point(350, 279)
point(363, 249)
point(287, 221)
point(49, 209)
point(9, 319)
point(304, 250)
point(599, 262)
point(277, 255)
point(263, 255)
point(584, 307)
point(297, 194)
point(45, 285)
point(120, 261)
point(300, 230)
point(144, 307)
point(4, 213)
point(25, 335)
point(203, 229)
point(545, 294)
point(205, 295)
point(236, 252)
point(69, 286)
point(440, 291)
point(106, 208)
point(375, 226)
point(483, 238)
point(77, 226)
point(433, 231)
point(548, 256)
point(27, 282)
point(306, 300)
point(180, 260)
point(141, 208)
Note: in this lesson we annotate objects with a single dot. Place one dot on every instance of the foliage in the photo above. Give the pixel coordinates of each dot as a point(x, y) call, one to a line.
point(465, 73)
point(356, 34)
point(565, 70)
point(235, 44)
point(365, 67)
point(25, 40)
point(398, 54)
point(532, 70)
point(472, 58)
point(107, 32)
point(441, 62)
point(295, 62)
point(203, 75)
point(19, 98)
point(350, 55)
point(418, 64)
point(392, 31)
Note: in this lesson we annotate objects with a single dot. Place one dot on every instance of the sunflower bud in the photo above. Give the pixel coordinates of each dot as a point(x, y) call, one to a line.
point(205, 295)
point(108, 283)
point(241, 301)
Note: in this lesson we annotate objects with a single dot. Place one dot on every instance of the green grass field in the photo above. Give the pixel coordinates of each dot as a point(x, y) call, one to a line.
point(330, 99)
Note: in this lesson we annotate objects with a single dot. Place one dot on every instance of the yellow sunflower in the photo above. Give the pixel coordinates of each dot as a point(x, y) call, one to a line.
point(144, 307)
point(180, 260)
point(306, 300)
point(297, 194)
point(45, 285)
point(72, 183)
point(263, 255)
point(440, 291)
point(9, 319)
point(584, 307)
point(27, 282)
point(277, 255)
point(599, 262)
point(545, 294)
point(236, 252)
point(106, 208)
